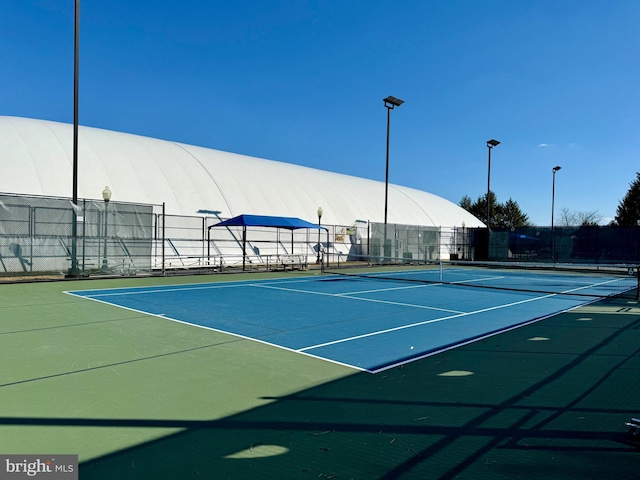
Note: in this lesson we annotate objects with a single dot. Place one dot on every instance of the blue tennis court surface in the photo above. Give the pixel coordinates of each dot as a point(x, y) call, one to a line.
point(369, 324)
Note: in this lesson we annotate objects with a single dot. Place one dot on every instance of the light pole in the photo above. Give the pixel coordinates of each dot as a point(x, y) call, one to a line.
point(74, 271)
point(490, 144)
point(390, 103)
point(553, 200)
point(319, 219)
point(106, 196)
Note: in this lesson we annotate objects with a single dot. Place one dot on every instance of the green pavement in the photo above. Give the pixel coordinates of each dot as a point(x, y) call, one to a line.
point(141, 397)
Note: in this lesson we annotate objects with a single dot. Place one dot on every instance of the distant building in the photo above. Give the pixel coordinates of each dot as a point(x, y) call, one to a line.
point(37, 159)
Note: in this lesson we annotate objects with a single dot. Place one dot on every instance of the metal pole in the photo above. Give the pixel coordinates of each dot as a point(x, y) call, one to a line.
point(74, 271)
point(164, 220)
point(84, 232)
point(326, 256)
point(105, 267)
point(368, 240)
point(386, 181)
point(319, 219)
point(553, 199)
point(390, 103)
point(76, 89)
point(490, 144)
point(244, 247)
point(553, 195)
point(489, 189)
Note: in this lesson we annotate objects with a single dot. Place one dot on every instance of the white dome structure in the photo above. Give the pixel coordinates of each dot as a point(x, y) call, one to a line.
point(37, 159)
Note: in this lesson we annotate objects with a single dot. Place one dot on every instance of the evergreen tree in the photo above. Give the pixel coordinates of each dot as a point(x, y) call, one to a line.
point(512, 216)
point(466, 203)
point(628, 211)
point(504, 215)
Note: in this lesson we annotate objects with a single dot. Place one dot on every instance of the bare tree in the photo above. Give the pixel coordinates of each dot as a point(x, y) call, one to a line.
point(575, 218)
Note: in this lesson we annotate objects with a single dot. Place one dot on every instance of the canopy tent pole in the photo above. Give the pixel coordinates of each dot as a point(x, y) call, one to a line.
point(244, 247)
point(290, 223)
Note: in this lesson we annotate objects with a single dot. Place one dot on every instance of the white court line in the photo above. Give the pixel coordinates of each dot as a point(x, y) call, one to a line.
point(388, 289)
point(305, 350)
point(543, 280)
point(116, 293)
point(225, 332)
point(457, 314)
point(417, 324)
point(352, 297)
point(483, 279)
point(178, 288)
point(614, 280)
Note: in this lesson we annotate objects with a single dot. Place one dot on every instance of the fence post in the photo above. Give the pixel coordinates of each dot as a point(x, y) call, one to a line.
point(164, 219)
point(84, 233)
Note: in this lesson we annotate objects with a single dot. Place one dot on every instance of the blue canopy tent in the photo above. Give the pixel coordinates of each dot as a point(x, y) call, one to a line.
point(523, 244)
point(244, 221)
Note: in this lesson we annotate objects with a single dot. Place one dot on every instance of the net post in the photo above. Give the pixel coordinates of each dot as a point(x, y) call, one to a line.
point(637, 282)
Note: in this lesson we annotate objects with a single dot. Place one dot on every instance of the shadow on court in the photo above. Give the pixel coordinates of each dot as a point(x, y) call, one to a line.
point(545, 401)
point(138, 397)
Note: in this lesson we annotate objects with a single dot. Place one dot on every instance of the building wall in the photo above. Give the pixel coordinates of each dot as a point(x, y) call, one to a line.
point(37, 159)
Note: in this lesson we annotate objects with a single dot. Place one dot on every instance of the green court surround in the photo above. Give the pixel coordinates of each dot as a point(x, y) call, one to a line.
point(138, 397)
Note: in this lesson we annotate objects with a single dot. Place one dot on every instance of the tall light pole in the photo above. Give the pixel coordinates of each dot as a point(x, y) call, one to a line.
point(490, 144)
point(74, 271)
point(390, 103)
point(553, 200)
point(106, 196)
point(319, 219)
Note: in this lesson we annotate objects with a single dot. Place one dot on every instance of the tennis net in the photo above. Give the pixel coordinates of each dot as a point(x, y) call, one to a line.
point(592, 280)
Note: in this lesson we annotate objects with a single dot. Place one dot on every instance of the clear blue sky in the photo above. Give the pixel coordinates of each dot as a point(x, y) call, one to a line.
point(302, 81)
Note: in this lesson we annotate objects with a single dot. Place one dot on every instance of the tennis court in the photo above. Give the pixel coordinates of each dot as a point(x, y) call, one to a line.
point(141, 395)
point(374, 321)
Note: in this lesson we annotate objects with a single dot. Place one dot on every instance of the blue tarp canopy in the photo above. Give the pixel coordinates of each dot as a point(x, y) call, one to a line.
point(244, 221)
point(290, 223)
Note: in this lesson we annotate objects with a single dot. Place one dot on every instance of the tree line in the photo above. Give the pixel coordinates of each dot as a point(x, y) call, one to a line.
point(509, 214)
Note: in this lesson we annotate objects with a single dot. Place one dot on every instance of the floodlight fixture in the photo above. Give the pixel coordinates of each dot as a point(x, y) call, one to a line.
point(390, 102)
point(490, 144)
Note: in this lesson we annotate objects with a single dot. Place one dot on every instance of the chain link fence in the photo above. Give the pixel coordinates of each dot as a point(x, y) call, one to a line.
point(47, 236)
point(38, 238)
point(409, 242)
point(582, 244)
